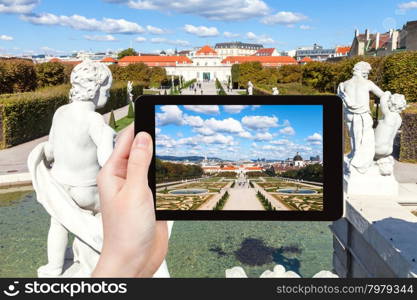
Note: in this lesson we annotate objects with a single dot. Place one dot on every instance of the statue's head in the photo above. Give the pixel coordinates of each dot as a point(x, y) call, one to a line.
point(362, 69)
point(397, 103)
point(91, 81)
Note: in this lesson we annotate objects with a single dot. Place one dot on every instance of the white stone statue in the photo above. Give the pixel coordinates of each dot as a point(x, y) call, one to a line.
point(64, 171)
point(369, 167)
point(355, 96)
point(130, 91)
point(250, 88)
point(278, 272)
point(386, 130)
point(275, 91)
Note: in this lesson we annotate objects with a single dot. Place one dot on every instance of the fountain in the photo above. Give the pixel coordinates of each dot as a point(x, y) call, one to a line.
point(189, 192)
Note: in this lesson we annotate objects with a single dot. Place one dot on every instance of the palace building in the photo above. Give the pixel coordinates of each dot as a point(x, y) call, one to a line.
point(205, 64)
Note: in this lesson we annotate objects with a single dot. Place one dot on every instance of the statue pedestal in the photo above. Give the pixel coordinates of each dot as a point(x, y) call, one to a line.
point(371, 183)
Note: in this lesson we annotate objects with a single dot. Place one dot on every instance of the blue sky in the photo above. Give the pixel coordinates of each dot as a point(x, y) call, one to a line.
point(60, 27)
point(235, 132)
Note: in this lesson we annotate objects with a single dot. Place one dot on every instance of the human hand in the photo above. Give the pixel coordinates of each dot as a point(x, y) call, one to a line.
point(134, 244)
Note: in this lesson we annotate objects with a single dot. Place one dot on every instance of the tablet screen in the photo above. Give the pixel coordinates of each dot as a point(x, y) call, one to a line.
point(239, 157)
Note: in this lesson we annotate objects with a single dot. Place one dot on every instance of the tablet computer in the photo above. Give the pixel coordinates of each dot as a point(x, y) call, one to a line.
point(244, 157)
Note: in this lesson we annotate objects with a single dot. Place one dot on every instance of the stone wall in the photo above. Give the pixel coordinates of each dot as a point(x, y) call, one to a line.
point(376, 238)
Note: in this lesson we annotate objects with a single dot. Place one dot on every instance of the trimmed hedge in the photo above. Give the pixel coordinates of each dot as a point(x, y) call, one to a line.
point(50, 74)
point(27, 116)
point(408, 139)
point(17, 76)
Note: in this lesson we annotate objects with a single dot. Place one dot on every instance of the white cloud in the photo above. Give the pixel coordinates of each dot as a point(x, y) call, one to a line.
point(229, 125)
point(305, 27)
point(155, 30)
point(315, 139)
point(281, 142)
point(234, 109)
point(284, 18)
point(171, 114)
point(287, 131)
point(245, 134)
point(194, 121)
point(408, 5)
point(263, 136)
point(141, 39)
point(204, 109)
point(197, 140)
point(261, 39)
point(78, 22)
point(17, 6)
point(254, 145)
point(230, 35)
point(100, 38)
point(210, 9)
point(205, 131)
point(259, 122)
point(4, 37)
point(165, 141)
point(157, 130)
point(201, 31)
point(170, 42)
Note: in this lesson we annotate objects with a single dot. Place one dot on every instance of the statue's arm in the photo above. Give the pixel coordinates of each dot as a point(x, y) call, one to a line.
point(49, 146)
point(375, 89)
point(344, 96)
point(103, 136)
point(384, 103)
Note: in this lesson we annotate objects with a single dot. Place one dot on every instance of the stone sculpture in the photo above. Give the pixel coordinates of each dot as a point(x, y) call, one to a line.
point(275, 91)
point(278, 272)
point(250, 88)
point(368, 168)
point(129, 91)
point(64, 171)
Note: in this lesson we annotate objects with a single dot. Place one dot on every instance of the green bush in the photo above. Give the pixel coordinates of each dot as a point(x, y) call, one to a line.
point(50, 74)
point(139, 73)
point(27, 116)
point(112, 120)
point(17, 75)
point(219, 87)
point(320, 76)
point(408, 139)
point(400, 74)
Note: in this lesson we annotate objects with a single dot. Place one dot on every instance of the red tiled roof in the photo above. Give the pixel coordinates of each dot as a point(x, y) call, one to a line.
point(229, 168)
point(343, 49)
point(261, 59)
point(206, 50)
point(145, 59)
point(306, 59)
point(254, 168)
point(109, 59)
point(265, 51)
point(383, 39)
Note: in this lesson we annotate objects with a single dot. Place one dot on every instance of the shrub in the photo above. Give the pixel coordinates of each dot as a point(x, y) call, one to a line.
point(320, 75)
point(50, 74)
point(27, 116)
point(219, 86)
point(289, 73)
point(408, 140)
point(18, 76)
point(112, 121)
point(131, 112)
point(400, 74)
point(158, 75)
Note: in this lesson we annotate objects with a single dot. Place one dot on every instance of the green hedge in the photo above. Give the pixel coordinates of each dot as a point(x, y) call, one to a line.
point(408, 140)
point(16, 76)
point(27, 116)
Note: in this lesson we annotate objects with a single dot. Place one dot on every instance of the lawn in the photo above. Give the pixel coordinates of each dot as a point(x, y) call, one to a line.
point(123, 123)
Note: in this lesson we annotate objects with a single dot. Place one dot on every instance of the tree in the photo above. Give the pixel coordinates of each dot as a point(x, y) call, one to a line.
point(127, 52)
point(158, 75)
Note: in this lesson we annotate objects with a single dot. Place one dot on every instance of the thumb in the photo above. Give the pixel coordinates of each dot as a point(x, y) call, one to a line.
point(139, 159)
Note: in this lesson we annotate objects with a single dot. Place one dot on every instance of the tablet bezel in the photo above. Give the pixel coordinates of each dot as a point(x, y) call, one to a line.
point(332, 154)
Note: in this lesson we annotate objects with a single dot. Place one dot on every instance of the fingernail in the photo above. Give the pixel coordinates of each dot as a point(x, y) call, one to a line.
point(142, 140)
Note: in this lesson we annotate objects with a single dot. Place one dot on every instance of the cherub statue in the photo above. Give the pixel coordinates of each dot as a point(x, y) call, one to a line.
point(355, 95)
point(391, 108)
point(79, 144)
point(275, 91)
point(250, 88)
point(130, 91)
